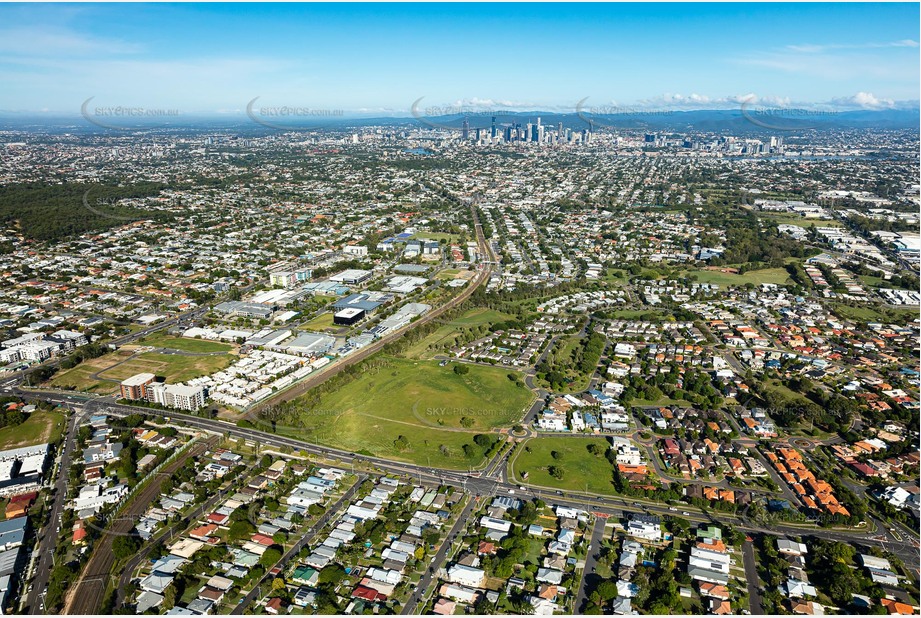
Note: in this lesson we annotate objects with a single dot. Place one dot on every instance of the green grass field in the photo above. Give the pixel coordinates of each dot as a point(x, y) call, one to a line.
point(636, 314)
point(319, 323)
point(439, 236)
point(174, 367)
point(161, 340)
point(662, 401)
point(445, 334)
point(80, 378)
point(791, 219)
point(40, 427)
point(870, 313)
point(581, 469)
point(768, 275)
point(447, 274)
point(421, 401)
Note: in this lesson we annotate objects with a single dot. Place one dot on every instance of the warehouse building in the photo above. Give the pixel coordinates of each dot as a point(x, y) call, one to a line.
point(352, 276)
point(348, 316)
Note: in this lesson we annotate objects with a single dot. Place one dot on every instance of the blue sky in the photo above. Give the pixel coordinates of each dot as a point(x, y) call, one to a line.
point(379, 59)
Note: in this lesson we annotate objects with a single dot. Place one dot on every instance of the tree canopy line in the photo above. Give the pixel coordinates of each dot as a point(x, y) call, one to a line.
point(54, 212)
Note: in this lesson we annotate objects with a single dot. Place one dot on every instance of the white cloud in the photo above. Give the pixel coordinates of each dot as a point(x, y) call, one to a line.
point(57, 42)
point(811, 48)
point(864, 100)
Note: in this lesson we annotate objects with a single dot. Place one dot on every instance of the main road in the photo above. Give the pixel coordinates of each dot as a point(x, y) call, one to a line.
point(48, 536)
point(475, 483)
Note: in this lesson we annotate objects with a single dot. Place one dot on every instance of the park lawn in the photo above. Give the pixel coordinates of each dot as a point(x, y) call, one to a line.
point(439, 236)
point(871, 281)
point(418, 400)
point(446, 332)
point(662, 401)
point(581, 469)
point(635, 314)
point(201, 346)
point(321, 322)
point(480, 316)
point(41, 427)
point(779, 276)
point(560, 355)
point(871, 313)
point(791, 219)
point(447, 274)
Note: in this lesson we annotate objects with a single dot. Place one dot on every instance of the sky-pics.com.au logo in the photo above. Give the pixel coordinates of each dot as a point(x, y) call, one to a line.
point(102, 207)
point(125, 117)
point(784, 118)
point(612, 116)
point(465, 117)
point(290, 117)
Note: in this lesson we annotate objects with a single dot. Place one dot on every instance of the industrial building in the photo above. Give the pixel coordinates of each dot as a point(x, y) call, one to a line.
point(366, 301)
point(310, 344)
point(248, 310)
point(348, 316)
point(405, 285)
point(352, 276)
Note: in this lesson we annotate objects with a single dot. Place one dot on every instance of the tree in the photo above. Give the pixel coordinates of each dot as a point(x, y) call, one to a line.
point(461, 369)
point(240, 530)
point(270, 556)
point(169, 597)
point(331, 574)
point(125, 546)
point(556, 472)
point(607, 590)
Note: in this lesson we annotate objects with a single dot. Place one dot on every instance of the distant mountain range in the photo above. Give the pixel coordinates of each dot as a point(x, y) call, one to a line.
point(734, 121)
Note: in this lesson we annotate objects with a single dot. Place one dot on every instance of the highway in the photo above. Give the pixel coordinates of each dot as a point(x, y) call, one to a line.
point(474, 482)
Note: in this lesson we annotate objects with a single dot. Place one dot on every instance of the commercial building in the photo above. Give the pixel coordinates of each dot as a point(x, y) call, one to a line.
point(348, 316)
point(403, 284)
point(289, 278)
point(355, 250)
point(310, 344)
point(352, 276)
point(366, 301)
point(247, 310)
point(135, 387)
point(177, 396)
